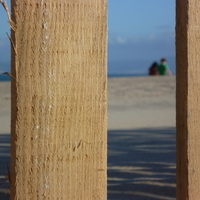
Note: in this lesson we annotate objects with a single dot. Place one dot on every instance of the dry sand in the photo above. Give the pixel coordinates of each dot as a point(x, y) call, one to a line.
point(141, 102)
point(141, 138)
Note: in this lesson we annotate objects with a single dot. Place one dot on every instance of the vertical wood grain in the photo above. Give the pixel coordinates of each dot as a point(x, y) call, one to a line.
point(59, 99)
point(188, 99)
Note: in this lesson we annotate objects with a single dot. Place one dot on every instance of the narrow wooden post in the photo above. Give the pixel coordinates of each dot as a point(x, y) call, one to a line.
point(188, 99)
point(59, 133)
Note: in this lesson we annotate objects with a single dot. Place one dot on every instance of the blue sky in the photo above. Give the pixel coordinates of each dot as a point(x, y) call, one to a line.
point(140, 32)
point(4, 41)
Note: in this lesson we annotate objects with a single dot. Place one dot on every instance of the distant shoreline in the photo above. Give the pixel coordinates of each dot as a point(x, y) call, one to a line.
point(4, 77)
point(7, 78)
point(125, 75)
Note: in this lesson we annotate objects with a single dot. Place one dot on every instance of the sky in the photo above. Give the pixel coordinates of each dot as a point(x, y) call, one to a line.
point(139, 33)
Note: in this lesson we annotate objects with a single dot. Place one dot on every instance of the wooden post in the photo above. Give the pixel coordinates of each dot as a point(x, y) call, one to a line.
point(188, 99)
point(59, 133)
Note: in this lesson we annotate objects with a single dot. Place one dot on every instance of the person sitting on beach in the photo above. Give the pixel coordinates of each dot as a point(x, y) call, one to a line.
point(153, 69)
point(163, 68)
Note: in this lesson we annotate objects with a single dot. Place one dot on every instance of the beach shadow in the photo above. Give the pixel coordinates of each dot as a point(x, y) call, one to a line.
point(4, 162)
point(142, 164)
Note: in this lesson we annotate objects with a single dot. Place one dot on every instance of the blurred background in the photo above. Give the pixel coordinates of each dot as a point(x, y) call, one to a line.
point(140, 32)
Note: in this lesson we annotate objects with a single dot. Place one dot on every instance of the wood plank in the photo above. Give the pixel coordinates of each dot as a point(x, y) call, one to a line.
point(59, 99)
point(188, 98)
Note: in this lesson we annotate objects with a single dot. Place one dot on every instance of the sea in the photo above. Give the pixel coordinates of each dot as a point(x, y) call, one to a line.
point(126, 75)
point(4, 77)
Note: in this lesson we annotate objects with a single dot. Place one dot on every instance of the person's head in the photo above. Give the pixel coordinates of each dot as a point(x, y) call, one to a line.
point(155, 64)
point(163, 61)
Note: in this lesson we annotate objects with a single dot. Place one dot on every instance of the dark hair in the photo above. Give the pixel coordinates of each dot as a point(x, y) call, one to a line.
point(155, 64)
point(163, 60)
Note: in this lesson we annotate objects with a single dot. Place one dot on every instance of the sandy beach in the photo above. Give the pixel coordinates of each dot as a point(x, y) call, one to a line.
point(141, 102)
point(141, 138)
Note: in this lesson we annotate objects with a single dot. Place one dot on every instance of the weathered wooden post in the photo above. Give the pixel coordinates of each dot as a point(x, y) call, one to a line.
point(59, 133)
point(188, 99)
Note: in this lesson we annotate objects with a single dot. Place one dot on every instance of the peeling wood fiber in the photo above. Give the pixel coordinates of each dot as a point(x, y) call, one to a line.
point(59, 100)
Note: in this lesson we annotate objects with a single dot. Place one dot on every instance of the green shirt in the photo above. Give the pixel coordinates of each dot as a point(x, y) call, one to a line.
point(162, 69)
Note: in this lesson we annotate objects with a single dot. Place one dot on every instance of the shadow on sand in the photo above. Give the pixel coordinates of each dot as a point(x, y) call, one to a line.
point(142, 164)
point(4, 162)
